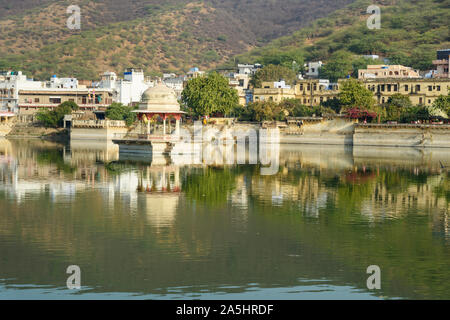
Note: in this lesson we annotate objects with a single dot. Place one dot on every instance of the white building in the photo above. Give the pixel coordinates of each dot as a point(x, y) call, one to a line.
point(248, 69)
point(62, 83)
point(281, 85)
point(10, 84)
point(313, 68)
point(130, 88)
point(175, 83)
point(371, 56)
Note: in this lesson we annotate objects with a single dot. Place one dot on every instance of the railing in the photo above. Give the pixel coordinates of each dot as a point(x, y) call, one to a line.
point(145, 137)
point(98, 124)
point(402, 125)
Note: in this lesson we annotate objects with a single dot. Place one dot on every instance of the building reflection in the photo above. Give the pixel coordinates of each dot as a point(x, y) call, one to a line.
point(166, 213)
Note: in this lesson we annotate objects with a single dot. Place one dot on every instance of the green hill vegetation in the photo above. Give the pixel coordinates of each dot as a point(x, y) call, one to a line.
point(156, 35)
point(411, 32)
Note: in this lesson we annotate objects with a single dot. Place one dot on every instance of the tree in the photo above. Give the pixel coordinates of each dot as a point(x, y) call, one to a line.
point(338, 66)
point(210, 94)
point(54, 118)
point(354, 95)
point(117, 111)
point(443, 103)
point(415, 113)
point(273, 73)
point(295, 108)
point(397, 105)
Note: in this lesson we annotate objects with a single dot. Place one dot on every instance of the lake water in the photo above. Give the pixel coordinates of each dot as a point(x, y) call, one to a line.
point(166, 229)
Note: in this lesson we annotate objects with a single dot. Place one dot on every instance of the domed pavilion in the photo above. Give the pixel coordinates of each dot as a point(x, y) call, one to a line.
point(160, 102)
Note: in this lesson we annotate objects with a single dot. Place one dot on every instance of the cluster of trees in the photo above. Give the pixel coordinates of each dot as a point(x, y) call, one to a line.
point(209, 95)
point(270, 110)
point(273, 72)
point(400, 108)
point(117, 111)
point(54, 118)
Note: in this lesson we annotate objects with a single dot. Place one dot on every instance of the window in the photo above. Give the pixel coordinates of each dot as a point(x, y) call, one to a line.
point(438, 88)
point(395, 87)
point(417, 87)
point(36, 100)
point(301, 86)
point(55, 100)
point(406, 87)
point(420, 100)
point(430, 88)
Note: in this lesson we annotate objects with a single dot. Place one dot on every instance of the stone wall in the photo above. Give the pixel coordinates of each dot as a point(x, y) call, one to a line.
point(402, 135)
point(338, 131)
point(97, 130)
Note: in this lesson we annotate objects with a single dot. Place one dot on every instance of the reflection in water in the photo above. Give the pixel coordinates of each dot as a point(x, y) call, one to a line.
point(167, 228)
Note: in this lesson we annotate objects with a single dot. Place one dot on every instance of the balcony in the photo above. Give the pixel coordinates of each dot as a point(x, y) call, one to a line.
point(440, 62)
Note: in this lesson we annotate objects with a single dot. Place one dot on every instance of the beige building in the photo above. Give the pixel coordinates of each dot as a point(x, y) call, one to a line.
point(315, 92)
point(311, 92)
point(31, 101)
point(442, 64)
point(420, 91)
point(387, 71)
point(240, 82)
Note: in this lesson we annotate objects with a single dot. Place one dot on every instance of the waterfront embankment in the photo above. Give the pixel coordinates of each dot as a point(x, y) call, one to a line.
point(314, 131)
point(21, 131)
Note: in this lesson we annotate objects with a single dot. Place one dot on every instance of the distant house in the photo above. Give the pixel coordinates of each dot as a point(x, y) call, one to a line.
point(10, 84)
point(248, 69)
point(129, 89)
point(371, 56)
point(387, 71)
point(312, 69)
point(194, 73)
point(442, 64)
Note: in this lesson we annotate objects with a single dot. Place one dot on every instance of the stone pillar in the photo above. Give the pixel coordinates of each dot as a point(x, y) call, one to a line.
point(164, 126)
point(148, 125)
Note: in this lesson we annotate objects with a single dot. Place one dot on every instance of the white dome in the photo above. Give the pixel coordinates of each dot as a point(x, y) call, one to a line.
point(159, 98)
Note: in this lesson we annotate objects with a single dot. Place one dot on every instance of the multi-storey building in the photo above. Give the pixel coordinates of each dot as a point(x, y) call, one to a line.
point(315, 92)
point(311, 92)
point(387, 71)
point(10, 84)
point(33, 100)
point(129, 89)
point(442, 64)
point(420, 91)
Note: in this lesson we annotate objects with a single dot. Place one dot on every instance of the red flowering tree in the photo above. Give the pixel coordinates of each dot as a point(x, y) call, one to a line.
point(361, 114)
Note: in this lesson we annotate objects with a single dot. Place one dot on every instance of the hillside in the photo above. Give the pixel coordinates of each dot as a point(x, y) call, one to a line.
point(411, 32)
point(157, 35)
